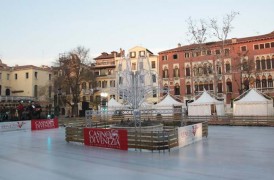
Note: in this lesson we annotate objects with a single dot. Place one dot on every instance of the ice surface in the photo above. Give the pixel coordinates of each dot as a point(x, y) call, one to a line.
point(228, 153)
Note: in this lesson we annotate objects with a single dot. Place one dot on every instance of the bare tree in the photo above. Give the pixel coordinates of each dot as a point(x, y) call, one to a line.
point(73, 69)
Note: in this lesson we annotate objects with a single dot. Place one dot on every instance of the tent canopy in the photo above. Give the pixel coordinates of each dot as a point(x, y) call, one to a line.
point(112, 103)
point(205, 98)
point(252, 96)
point(168, 101)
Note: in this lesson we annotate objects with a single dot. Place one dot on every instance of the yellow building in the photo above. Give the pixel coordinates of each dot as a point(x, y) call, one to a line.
point(26, 82)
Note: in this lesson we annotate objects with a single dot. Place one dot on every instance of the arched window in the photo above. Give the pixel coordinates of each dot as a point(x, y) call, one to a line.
point(99, 84)
point(211, 85)
point(269, 81)
point(84, 86)
point(201, 86)
point(200, 70)
point(205, 69)
point(177, 89)
point(228, 85)
point(258, 82)
point(272, 61)
point(220, 87)
point(246, 83)
point(7, 92)
point(188, 88)
point(195, 70)
point(187, 71)
point(165, 73)
point(176, 72)
point(227, 67)
point(209, 68)
point(165, 90)
point(263, 63)
point(258, 63)
point(268, 62)
point(196, 87)
point(206, 85)
point(264, 84)
point(251, 81)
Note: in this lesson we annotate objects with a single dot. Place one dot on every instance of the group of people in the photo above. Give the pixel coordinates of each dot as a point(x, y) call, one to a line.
point(31, 111)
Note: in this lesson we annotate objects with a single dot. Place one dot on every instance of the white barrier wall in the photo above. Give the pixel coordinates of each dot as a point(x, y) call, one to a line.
point(189, 134)
point(15, 126)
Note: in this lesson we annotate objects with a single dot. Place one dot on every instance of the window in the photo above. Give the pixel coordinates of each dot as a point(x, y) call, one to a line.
point(188, 88)
point(165, 90)
point(112, 83)
point(220, 87)
point(164, 58)
point(91, 98)
point(84, 85)
point(50, 89)
point(270, 81)
point(272, 44)
point(261, 46)
point(99, 84)
point(201, 86)
point(8, 76)
point(0, 75)
point(208, 52)
point(186, 55)
point(227, 51)
point(256, 46)
point(120, 80)
point(15, 76)
point(165, 73)
point(35, 91)
point(243, 48)
point(268, 63)
point(263, 63)
point(187, 71)
point(229, 85)
point(177, 89)
point(176, 72)
point(132, 54)
point(175, 56)
point(267, 45)
point(49, 76)
point(217, 51)
point(27, 75)
point(133, 66)
point(153, 64)
point(211, 86)
point(104, 84)
point(245, 65)
point(227, 67)
point(35, 75)
point(206, 85)
point(272, 61)
point(154, 78)
point(154, 93)
point(112, 96)
point(205, 70)
point(258, 82)
point(258, 64)
point(264, 84)
point(142, 53)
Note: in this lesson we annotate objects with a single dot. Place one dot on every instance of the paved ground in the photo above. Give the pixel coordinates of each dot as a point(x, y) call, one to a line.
point(228, 153)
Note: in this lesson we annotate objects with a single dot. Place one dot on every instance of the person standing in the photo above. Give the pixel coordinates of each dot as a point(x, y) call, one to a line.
point(20, 109)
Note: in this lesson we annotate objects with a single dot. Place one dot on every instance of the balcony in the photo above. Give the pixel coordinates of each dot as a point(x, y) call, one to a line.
point(16, 98)
point(105, 64)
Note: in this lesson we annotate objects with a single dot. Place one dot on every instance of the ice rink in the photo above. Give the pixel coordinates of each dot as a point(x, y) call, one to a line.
point(227, 153)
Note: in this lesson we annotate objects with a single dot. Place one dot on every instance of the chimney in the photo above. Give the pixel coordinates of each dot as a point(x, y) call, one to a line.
point(179, 45)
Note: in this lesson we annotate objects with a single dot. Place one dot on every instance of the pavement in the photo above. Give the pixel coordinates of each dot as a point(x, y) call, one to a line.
point(228, 153)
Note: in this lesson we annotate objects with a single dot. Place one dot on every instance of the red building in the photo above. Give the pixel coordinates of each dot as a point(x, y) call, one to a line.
point(226, 69)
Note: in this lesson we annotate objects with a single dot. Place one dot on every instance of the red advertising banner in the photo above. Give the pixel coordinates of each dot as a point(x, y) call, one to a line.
point(108, 138)
point(40, 124)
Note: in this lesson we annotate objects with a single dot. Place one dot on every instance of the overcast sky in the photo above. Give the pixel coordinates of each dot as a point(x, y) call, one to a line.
point(36, 31)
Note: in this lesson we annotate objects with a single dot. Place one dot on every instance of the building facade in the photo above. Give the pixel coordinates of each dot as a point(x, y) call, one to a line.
point(226, 69)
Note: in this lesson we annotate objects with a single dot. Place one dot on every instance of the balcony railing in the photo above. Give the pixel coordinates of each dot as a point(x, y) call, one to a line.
point(16, 98)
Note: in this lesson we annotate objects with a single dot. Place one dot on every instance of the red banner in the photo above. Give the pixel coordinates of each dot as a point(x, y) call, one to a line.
point(40, 124)
point(108, 138)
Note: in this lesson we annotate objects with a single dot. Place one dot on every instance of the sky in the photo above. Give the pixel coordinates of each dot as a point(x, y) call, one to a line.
point(34, 32)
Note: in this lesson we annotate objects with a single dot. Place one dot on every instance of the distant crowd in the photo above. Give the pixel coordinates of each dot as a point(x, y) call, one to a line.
point(32, 110)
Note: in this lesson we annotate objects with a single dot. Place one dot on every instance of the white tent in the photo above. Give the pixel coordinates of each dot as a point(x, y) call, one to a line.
point(253, 103)
point(206, 105)
point(170, 105)
point(114, 105)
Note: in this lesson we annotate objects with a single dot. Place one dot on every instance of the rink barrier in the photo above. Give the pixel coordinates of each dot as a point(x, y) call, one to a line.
point(30, 125)
point(153, 141)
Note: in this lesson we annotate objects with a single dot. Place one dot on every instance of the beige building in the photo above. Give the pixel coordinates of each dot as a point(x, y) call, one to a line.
point(26, 82)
